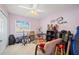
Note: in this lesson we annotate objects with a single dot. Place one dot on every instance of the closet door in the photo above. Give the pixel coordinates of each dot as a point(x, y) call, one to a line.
point(3, 32)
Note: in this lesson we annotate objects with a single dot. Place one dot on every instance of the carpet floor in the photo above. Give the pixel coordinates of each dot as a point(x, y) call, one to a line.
point(20, 49)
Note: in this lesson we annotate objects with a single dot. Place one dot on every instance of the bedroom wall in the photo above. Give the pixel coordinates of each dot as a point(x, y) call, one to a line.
point(14, 17)
point(71, 16)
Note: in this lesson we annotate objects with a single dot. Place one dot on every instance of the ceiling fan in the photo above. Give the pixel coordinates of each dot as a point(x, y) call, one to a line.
point(34, 10)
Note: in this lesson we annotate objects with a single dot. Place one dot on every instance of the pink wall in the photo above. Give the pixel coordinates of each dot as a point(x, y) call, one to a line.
point(13, 18)
point(72, 17)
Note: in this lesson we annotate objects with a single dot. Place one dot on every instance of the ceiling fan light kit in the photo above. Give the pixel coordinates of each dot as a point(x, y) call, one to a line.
point(34, 12)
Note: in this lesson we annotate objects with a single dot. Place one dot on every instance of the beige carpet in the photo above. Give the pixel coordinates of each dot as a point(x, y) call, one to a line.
point(19, 49)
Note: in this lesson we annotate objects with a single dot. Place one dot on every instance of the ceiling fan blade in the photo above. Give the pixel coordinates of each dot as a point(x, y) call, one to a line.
point(24, 7)
point(38, 10)
point(35, 6)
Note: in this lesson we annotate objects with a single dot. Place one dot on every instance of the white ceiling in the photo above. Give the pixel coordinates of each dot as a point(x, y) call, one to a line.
point(47, 8)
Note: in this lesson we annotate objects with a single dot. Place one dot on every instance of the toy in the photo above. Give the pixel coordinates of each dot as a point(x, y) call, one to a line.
point(40, 45)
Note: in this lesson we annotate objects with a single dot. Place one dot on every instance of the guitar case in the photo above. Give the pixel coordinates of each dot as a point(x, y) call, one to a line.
point(75, 43)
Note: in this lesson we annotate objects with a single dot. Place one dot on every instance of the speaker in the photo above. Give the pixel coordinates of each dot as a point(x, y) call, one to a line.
point(11, 39)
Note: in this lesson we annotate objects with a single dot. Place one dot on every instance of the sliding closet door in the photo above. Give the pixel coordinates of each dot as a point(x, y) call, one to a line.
point(3, 32)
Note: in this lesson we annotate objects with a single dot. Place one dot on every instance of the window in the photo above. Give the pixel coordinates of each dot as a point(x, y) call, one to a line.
point(21, 26)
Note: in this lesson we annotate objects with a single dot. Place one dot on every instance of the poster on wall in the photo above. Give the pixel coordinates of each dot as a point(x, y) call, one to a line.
point(59, 20)
point(22, 26)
